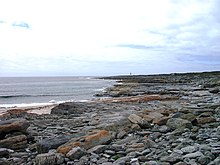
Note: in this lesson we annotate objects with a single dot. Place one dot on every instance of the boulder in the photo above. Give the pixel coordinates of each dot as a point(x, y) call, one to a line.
point(175, 123)
point(13, 125)
point(86, 142)
point(98, 138)
point(47, 144)
point(69, 108)
point(135, 119)
point(15, 142)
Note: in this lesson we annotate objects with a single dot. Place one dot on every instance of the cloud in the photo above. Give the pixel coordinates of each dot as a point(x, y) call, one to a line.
point(21, 24)
point(134, 46)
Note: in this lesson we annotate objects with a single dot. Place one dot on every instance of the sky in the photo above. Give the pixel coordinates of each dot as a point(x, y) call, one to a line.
point(108, 37)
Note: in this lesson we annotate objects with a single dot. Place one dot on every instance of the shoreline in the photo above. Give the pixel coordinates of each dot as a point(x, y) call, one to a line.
point(165, 119)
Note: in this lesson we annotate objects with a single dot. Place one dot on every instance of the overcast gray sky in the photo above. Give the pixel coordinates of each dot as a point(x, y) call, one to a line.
point(108, 37)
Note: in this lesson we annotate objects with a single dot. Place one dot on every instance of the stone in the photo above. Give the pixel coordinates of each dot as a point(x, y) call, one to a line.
point(175, 123)
point(163, 129)
point(204, 160)
point(110, 152)
point(189, 116)
point(49, 158)
point(161, 121)
point(193, 155)
point(15, 142)
point(145, 152)
point(214, 90)
point(4, 152)
point(172, 158)
point(75, 153)
point(155, 115)
point(135, 119)
point(47, 144)
point(65, 148)
point(98, 149)
point(122, 160)
point(13, 125)
point(189, 149)
point(98, 137)
point(121, 134)
point(69, 108)
point(4, 161)
point(204, 120)
point(135, 127)
point(83, 160)
point(149, 143)
point(144, 124)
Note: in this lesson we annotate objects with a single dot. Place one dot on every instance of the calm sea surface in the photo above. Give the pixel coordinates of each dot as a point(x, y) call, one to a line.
point(35, 90)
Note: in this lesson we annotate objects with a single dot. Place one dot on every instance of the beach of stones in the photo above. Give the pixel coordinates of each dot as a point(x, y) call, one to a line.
point(169, 119)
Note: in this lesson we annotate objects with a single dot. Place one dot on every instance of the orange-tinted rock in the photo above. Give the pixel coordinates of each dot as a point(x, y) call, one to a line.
point(64, 149)
point(101, 137)
point(86, 142)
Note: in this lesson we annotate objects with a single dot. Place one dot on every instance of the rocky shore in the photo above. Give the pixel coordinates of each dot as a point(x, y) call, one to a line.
point(147, 119)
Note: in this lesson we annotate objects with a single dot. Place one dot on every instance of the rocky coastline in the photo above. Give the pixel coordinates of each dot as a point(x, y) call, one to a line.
point(169, 119)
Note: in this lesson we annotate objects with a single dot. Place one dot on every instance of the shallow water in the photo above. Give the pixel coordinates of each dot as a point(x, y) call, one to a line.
point(26, 91)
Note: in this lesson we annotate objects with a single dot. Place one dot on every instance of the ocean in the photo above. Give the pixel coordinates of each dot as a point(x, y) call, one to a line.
point(31, 91)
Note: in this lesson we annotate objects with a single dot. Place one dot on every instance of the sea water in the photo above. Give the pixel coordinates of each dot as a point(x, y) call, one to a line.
point(28, 91)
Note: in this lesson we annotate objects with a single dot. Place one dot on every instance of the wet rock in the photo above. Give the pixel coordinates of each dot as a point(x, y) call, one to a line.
point(175, 123)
